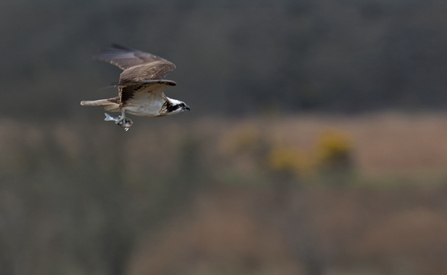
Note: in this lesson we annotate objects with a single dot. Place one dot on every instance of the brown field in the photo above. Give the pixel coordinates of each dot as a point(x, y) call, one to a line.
point(204, 197)
point(391, 143)
point(384, 143)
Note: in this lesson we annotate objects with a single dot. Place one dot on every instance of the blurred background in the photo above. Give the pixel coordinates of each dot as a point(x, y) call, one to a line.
point(316, 142)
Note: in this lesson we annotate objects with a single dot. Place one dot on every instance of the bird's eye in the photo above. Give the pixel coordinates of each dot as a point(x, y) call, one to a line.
point(182, 105)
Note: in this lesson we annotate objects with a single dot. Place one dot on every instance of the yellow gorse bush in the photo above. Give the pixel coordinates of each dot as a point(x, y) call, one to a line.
point(334, 148)
point(288, 159)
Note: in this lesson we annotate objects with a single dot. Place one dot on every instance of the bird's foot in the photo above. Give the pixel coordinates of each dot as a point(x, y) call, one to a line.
point(120, 120)
point(124, 122)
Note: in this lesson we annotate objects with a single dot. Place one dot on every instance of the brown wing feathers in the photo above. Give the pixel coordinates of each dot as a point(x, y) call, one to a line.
point(137, 65)
point(140, 69)
point(147, 71)
point(127, 91)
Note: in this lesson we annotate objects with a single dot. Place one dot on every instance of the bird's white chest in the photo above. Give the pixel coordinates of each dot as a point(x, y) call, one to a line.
point(145, 104)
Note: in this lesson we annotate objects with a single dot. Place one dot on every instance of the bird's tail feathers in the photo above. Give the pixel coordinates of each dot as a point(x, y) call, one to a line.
point(99, 102)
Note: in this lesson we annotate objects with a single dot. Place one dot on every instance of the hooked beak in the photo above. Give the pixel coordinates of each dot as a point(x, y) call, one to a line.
point(186, 108)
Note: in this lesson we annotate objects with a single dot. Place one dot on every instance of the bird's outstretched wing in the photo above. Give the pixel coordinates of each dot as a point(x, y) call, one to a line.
point(129, 90)
point(136, 65)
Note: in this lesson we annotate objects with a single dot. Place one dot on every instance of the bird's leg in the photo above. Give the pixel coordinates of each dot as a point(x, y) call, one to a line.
point(122, 117)
point(123, 121)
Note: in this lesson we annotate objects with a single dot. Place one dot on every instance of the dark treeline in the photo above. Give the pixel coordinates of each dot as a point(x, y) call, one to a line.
point(232, 56)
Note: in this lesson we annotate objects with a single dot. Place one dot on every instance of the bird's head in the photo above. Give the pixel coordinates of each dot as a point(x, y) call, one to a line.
point(174, 106)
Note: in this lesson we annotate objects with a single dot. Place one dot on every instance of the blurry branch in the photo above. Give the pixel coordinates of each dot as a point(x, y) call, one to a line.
point(294, 219)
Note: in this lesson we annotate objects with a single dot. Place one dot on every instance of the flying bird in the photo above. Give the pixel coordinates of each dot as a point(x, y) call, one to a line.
point(140, 86)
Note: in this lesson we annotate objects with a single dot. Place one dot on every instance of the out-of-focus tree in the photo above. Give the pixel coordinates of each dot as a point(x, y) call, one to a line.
point(232, 56)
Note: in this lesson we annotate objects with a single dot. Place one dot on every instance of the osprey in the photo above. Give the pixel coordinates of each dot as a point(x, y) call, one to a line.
point(140, 86)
